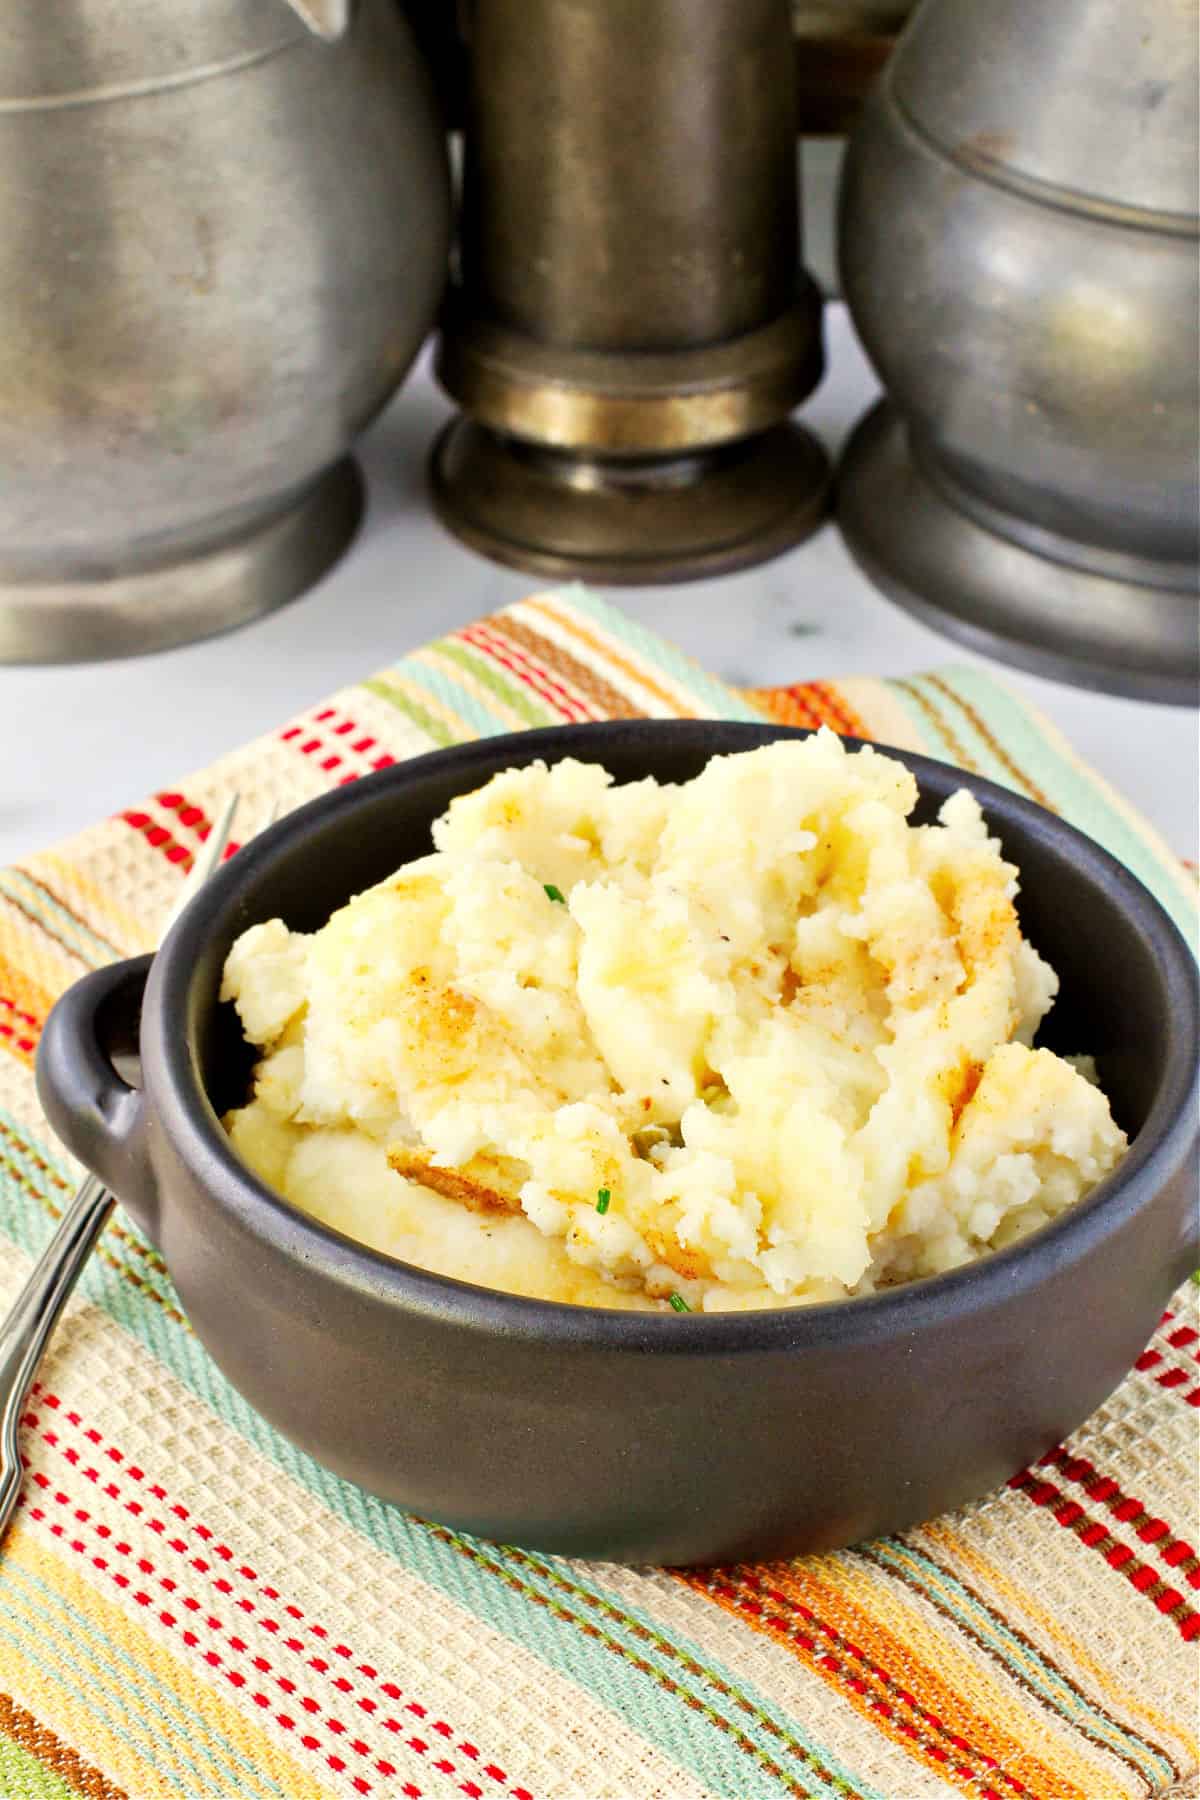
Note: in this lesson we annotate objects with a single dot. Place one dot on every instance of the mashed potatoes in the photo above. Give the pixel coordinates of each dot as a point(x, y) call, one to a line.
point(751, 1041)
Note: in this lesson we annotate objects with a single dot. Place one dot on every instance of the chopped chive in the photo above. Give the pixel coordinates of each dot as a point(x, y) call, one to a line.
point(679, 1303)
point(1196, 1277)
point(602, 1200)
point(555, 893)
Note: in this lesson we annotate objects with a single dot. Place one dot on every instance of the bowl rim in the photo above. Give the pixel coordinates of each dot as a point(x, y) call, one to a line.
point(184, 1115)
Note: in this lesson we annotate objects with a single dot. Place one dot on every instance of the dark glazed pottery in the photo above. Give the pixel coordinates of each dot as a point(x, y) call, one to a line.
point(642, 1438)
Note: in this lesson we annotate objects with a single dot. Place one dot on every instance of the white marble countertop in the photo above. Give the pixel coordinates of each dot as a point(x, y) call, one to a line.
point(83, 741)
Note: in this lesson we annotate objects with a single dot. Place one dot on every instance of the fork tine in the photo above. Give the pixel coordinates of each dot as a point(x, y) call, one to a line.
point(206, 860)
point(215, 844)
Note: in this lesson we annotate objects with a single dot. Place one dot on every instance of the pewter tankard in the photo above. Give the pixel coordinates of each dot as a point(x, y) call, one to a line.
point(631, 329)
point(1020, 248)
point(223, 233)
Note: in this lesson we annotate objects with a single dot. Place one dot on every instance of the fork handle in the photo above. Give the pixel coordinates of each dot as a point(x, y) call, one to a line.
point(33, 1317)
point(101, 1119)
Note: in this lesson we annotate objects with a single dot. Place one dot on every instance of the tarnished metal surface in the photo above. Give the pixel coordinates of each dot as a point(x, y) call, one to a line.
point(1020, 248)
point(223, 230)
point(630, 282)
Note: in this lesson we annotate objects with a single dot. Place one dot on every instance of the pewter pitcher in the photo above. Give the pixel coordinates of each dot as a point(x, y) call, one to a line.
point(223, 234)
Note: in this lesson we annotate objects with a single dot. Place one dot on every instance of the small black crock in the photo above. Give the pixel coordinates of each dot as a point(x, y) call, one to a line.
point(642, 1438)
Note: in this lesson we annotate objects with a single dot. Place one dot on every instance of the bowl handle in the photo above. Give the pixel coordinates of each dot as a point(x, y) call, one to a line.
point(97, 1114)
point(1187, 1260)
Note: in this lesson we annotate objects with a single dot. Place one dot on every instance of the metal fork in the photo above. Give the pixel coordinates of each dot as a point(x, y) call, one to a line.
point(26, 1331)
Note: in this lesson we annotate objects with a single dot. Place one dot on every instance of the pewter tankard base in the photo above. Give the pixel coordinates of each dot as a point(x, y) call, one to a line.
point(1032, 605)
point(629, 520)
point(127, 611)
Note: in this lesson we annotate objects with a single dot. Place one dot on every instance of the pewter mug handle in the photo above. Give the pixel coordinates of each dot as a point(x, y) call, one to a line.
point(328, 19)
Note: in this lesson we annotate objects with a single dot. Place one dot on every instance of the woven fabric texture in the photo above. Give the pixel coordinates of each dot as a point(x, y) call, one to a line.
point(191, 1607)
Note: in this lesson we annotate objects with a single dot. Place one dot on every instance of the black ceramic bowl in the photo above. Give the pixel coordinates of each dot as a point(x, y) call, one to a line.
point(640, 1437)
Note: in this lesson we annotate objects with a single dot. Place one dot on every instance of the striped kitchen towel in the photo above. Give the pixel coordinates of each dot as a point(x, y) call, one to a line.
point(191, 1607)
